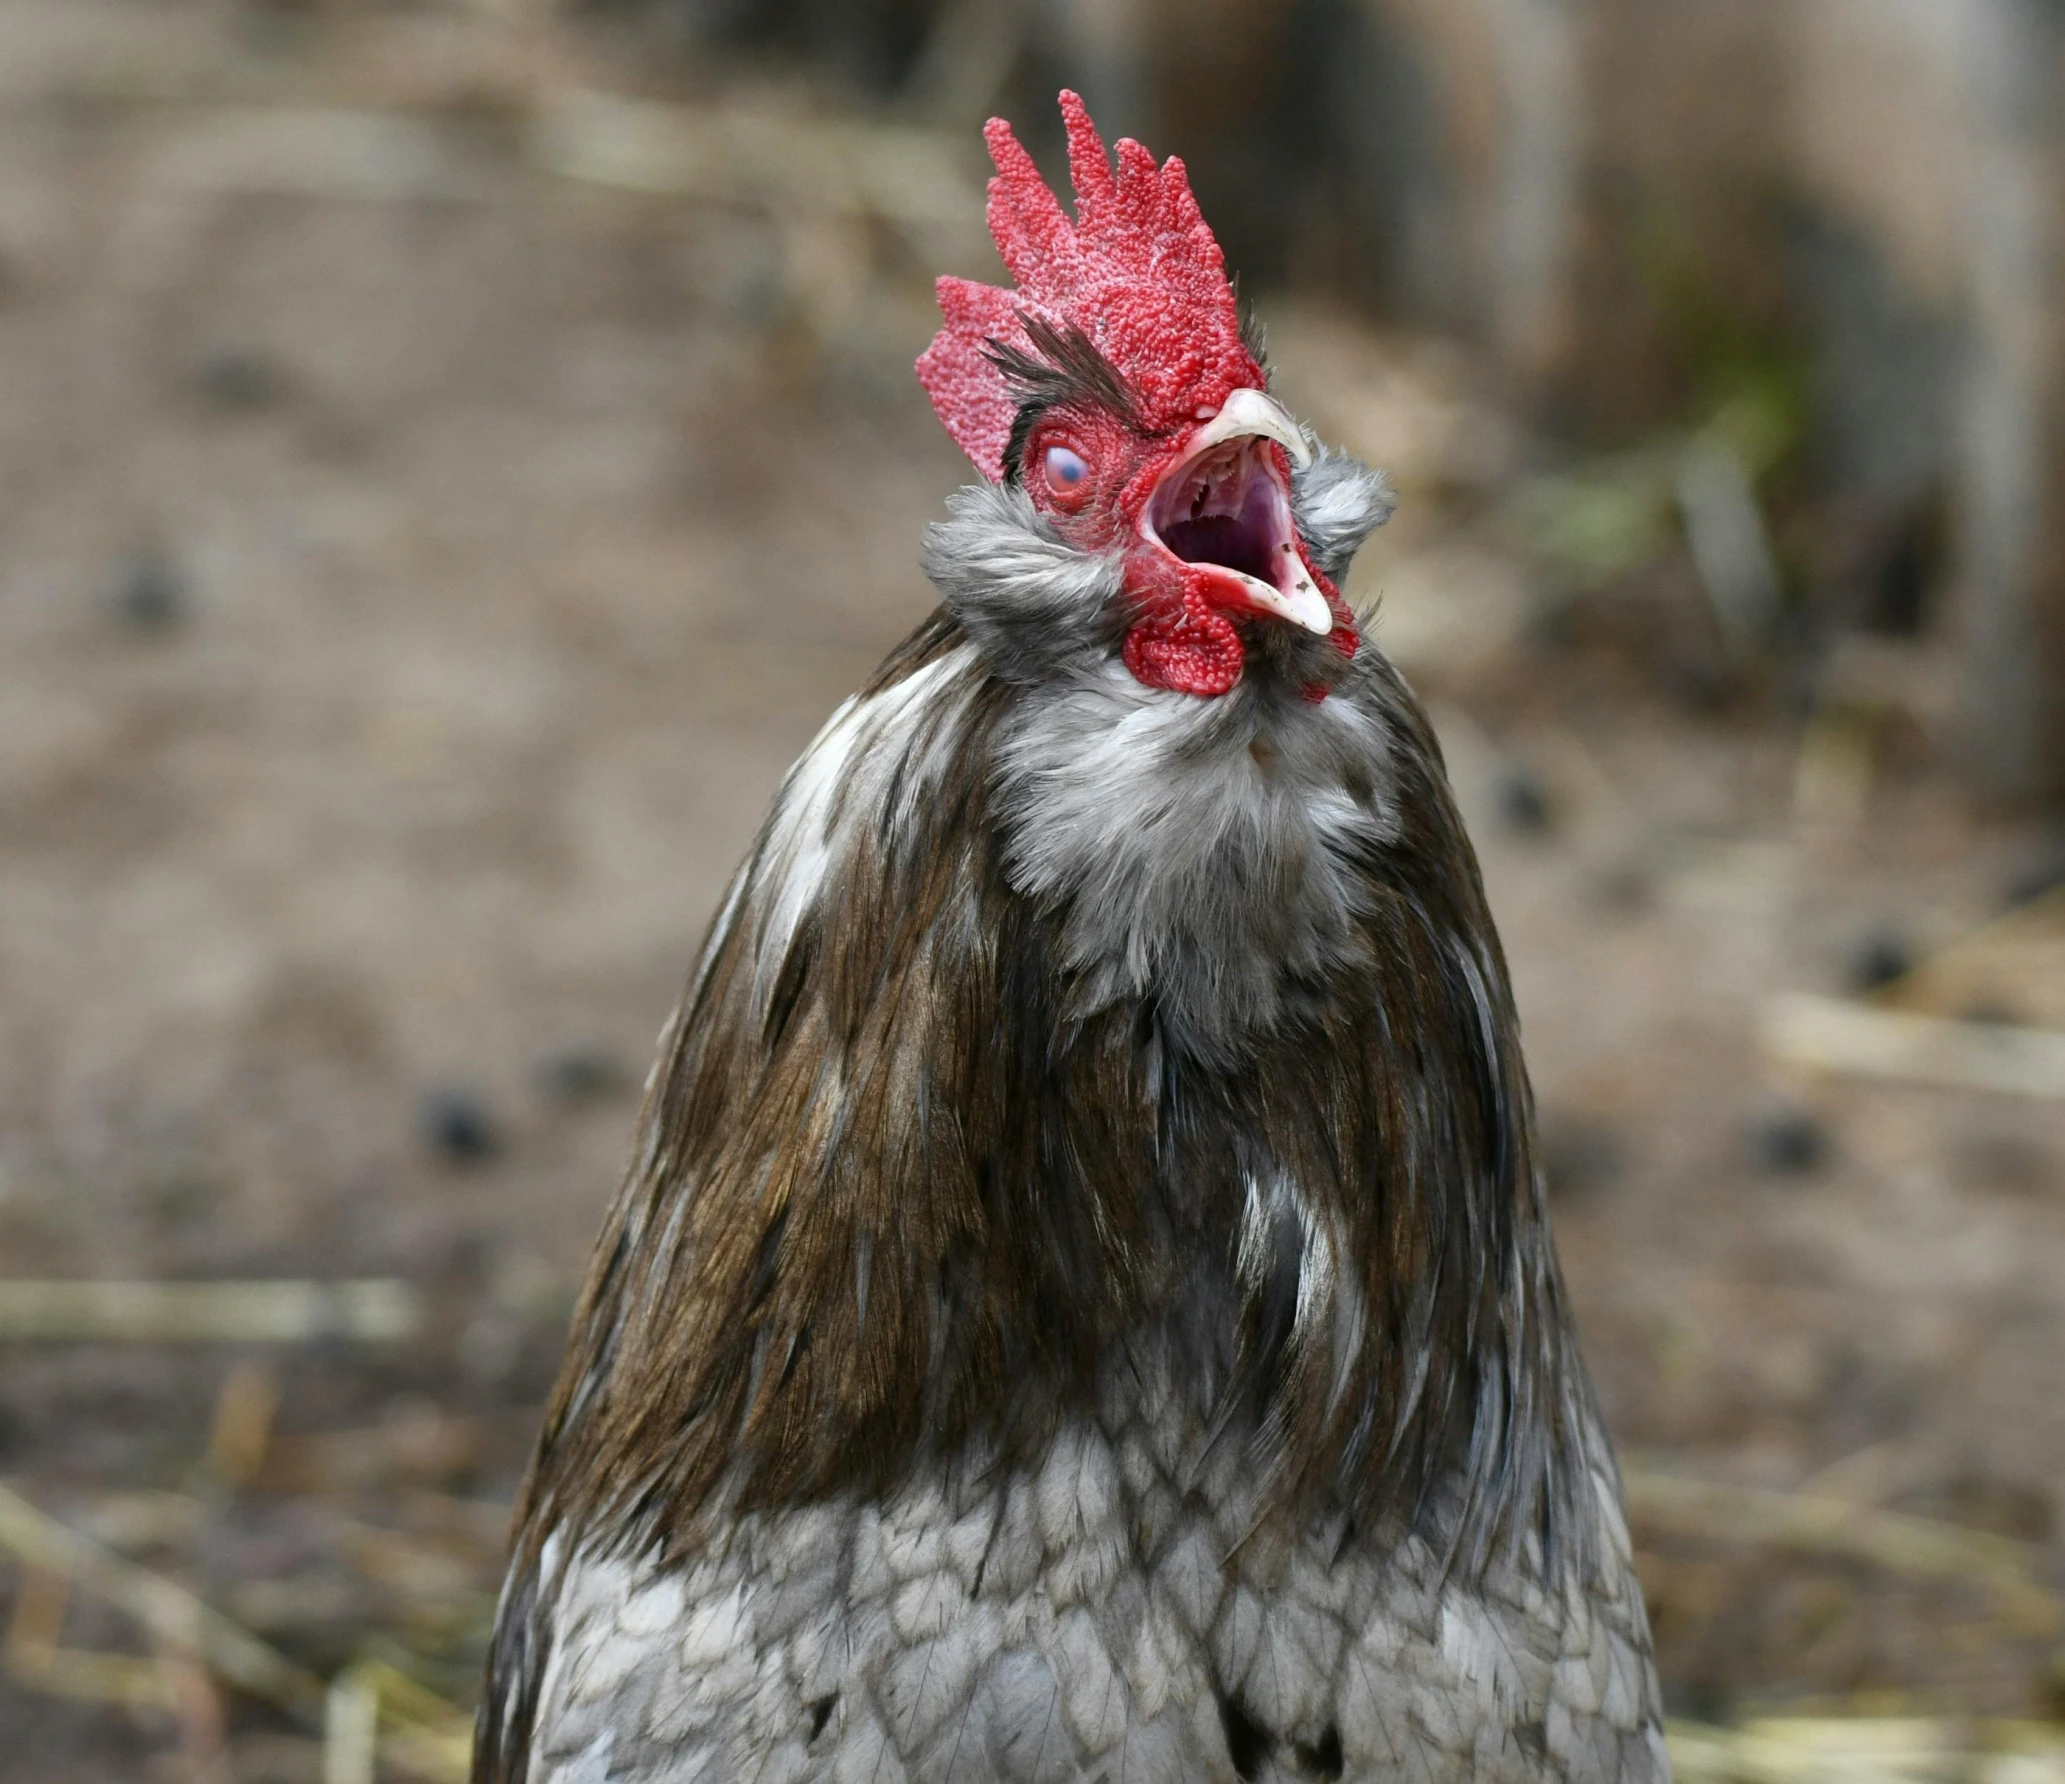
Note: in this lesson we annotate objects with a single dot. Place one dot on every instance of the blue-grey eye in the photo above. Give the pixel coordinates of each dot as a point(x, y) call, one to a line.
point(1065, 470)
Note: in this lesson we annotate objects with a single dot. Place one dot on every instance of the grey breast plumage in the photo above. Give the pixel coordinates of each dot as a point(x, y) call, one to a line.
point(1114, 1612)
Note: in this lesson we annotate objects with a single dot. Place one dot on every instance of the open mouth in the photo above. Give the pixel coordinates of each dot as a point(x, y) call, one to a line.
point(1226, 508)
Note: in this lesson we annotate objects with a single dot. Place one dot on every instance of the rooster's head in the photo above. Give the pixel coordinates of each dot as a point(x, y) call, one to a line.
point(1117, 387)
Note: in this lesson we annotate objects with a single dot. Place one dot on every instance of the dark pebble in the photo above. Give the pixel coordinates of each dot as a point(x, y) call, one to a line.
point(2051, 1687)
point(1696, 685)
point(460, 1257)
point(1624, 888)
point(1991, 1012)
point(1699, 1699)
point(235, 379)
point(458, 1124)
point(1551, 627)
point(1979, 1500)
point(1580, 1157)
point(274, 27)
point(1789, 1142)
point(582, 1072)
point(2042, 872)
point(1523, 803)
point(1878, 960)
point(2003, 1158)
point(184, 1197)
point(151, 594)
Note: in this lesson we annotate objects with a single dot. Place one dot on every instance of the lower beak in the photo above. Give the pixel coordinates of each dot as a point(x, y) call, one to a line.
point(1302, 604)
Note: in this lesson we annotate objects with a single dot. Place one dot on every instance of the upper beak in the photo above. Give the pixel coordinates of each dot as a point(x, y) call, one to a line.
point(1253, 412)
point(1227, 510)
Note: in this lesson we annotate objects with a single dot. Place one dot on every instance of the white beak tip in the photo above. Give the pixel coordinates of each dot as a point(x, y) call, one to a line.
point(1301, 604)
point(1309, 609)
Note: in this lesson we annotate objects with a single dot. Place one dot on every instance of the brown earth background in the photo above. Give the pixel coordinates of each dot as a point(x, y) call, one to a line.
point(451, 460)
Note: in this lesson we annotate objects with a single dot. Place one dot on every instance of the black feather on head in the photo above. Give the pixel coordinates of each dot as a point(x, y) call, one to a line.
point(1069, 373)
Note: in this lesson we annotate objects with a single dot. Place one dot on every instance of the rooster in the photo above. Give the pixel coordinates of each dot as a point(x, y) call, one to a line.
point(1082, 1304)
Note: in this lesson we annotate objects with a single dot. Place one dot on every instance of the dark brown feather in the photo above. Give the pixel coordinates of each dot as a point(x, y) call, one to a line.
point(1065, 370)
point(902, 1202)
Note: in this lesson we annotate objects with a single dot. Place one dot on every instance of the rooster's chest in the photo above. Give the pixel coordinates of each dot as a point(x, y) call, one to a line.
point(1112, 1611)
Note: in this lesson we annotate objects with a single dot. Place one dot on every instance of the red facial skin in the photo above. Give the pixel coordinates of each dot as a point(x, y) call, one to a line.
point(1184, 638)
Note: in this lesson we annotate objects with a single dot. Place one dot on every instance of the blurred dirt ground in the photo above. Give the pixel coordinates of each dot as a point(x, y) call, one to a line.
point(420, 566)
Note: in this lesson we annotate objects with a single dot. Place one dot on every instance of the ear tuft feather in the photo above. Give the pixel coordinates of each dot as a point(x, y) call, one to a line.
point(1138, 273)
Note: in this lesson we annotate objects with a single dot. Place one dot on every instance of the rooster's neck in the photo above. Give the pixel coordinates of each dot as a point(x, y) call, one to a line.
point(1206, 860)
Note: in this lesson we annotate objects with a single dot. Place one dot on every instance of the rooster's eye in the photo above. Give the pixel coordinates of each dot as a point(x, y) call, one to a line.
point(1065, 470)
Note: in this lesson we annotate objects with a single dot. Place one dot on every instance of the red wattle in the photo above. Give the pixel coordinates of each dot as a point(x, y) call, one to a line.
point(1185, 642)
point(1188, 649)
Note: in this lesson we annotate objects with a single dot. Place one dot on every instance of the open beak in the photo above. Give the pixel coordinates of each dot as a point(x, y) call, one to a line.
point(1224, 507)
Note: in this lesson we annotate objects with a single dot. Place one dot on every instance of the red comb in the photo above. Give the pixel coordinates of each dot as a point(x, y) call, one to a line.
point(1138, 272)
